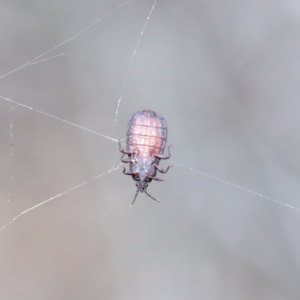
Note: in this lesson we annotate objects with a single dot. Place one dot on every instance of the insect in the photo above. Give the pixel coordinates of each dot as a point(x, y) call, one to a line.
point(146, 140)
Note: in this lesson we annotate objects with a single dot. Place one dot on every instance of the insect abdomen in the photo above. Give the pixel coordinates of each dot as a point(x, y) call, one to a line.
point(147, 133)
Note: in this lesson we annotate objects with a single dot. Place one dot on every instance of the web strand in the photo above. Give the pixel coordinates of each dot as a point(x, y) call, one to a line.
point(57, 196)
point(131, 62)
point(11, 157)
point(32, 61)
point(236, 186)
point(57, 118)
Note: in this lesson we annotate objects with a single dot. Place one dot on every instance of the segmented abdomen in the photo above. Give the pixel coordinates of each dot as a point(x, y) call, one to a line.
point(147, 133)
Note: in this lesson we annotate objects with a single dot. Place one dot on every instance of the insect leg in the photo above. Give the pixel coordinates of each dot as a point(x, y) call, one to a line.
point(155, 178)
point(126, 160)
point(128, 173)
point(124, 151)
point(162, 156)
point(161, 170)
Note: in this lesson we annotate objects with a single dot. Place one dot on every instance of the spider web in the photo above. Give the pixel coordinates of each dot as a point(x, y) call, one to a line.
point(41, 59)
point(44, 57)
point(64, 109)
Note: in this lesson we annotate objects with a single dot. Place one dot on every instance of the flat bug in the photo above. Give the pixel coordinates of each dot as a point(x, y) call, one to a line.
point(146, 140)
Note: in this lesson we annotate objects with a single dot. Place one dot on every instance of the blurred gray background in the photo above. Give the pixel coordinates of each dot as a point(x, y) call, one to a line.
point(225, 74)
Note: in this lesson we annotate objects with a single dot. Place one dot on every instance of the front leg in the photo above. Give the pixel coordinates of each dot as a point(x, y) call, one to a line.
point(162, 156)
point(161, 170)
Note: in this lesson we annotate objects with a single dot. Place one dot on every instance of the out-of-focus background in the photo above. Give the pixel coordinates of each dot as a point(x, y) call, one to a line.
point(226, 76)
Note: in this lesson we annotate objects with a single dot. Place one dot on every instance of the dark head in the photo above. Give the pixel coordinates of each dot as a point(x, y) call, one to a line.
point(142, 187)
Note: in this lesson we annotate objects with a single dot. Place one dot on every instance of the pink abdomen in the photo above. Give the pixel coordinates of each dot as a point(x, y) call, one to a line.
point(147, 133)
